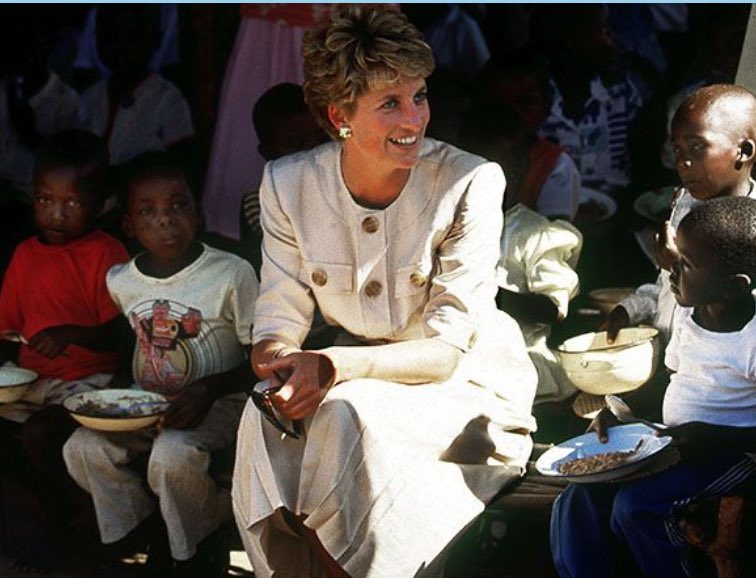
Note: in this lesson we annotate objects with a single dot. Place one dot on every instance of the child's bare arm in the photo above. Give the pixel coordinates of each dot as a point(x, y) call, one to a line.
point(196, 399)
point(697, 440)
point(53, 341)
point(528, 308)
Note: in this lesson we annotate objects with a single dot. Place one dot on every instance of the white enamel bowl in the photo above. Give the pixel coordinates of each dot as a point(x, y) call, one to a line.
point(116, 409)
point(14, 381)
point(598, 368)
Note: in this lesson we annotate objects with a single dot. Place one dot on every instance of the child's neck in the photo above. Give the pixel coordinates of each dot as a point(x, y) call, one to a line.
point(153, 266)
point(726, 316)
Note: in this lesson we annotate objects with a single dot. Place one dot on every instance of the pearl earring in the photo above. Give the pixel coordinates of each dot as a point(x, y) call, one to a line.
point(345, 131)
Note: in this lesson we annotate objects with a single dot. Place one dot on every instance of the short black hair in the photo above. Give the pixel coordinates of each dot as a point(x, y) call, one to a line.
point(281, 100)
point(81, 150)
point(728, 224)
point(149, 165)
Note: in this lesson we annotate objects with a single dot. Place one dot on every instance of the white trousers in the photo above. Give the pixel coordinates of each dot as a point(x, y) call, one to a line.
point(191, 504)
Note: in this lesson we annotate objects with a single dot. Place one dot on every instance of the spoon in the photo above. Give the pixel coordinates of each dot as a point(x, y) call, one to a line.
point(623, 413)
point(11, 335)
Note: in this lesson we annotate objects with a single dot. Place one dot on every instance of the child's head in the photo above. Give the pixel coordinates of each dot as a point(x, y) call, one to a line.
point(159, 209)
point(283, 122)
point(519, 80)
point(70, 174)
point(716, 243)
point(714, 140)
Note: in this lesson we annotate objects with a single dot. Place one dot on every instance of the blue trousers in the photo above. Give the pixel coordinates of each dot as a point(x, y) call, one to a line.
point(590, 523)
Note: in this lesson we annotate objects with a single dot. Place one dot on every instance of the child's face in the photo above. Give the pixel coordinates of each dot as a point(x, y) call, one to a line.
point(706, 155)
point(62, 213)
point(526, 97)
point(695, 278)
point(162, 216)
point(291, 134)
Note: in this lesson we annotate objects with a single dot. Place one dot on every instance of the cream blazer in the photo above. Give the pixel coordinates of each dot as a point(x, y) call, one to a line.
point(423, 267)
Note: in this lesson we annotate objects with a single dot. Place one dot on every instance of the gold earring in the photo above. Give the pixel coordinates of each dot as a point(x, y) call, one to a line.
point(345, 131)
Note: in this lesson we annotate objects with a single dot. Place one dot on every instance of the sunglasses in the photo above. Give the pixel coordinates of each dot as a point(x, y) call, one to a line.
point(262, 401)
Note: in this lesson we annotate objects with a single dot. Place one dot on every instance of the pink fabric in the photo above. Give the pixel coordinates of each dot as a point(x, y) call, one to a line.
point(265, 53)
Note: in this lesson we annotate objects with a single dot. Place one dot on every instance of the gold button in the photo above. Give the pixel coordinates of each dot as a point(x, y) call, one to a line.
point(418, 279)
point(373, 288)
point(319, 277)
point(473, 340)
point(370, 224)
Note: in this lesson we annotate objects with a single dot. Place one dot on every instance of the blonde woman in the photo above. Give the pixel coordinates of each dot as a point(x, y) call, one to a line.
point(422, 411)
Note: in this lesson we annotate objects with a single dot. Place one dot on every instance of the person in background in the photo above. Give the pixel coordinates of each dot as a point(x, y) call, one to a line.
point(54, 296)
point(283, 125)
point(134, 109)
point(536, 273)
point(593, 104)
point(709, 406)
point(190, 307)
point(540, 174)
point(428, 392)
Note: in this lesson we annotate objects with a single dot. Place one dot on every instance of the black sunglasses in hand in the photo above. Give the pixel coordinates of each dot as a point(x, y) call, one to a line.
point(261, 399)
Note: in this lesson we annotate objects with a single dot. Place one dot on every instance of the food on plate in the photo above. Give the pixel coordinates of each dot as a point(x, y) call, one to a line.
point(126, 407)
point(595, 463)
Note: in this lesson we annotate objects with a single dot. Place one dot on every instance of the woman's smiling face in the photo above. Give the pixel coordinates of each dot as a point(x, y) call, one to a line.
point(388, 125)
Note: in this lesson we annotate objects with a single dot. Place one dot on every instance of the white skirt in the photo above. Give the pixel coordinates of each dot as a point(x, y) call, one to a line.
point(375, 476)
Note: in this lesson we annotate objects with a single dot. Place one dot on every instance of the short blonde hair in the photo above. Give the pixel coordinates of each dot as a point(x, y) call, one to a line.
point(361, 49)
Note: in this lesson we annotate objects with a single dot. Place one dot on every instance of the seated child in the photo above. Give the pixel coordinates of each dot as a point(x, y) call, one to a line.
point(710, 406)
point(536, 272)
point(284, 125)
point(191, 308)
point(510, 104)
point(54, 294)
point(714, 140)
point(537, 279)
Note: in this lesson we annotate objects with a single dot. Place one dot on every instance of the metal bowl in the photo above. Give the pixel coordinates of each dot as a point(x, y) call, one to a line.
point(14, 381)
point(116, 409)
point(598, 368)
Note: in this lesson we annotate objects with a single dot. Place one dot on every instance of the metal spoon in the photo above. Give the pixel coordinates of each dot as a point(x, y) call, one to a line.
point(623, 413)
point(11, 335)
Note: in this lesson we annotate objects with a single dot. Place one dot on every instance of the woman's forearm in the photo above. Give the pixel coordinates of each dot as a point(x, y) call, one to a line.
point(418, 361)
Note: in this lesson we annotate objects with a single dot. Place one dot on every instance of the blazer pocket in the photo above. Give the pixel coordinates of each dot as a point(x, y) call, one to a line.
point(327, 277)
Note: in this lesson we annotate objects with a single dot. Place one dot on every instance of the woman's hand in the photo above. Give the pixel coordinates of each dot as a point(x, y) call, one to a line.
point(305, 377)
point(612, 323)
point(602, 422)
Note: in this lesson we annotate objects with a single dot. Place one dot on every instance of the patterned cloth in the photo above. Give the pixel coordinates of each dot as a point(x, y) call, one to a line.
point(597, 142)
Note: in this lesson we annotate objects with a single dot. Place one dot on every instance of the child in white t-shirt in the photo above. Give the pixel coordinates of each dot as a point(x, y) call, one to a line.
point(710, 406)
point(191, 307)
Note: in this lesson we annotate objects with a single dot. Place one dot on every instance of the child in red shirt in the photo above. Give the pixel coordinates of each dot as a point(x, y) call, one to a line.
point(54, 295)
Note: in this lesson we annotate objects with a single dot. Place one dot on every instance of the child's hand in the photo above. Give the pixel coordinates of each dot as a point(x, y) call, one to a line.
point(696, 440)
point(665, 249)
point(189, 408)
point(612, 323)
point(602, 422)
point(53, 341)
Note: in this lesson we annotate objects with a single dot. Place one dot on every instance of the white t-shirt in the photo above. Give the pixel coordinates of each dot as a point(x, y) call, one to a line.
point(560, 194)
point(190, 325)
point(156, 117)
point(715, 374)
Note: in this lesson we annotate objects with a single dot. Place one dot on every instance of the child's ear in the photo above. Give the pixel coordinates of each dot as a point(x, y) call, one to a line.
point(746, 150)
point(738, 285)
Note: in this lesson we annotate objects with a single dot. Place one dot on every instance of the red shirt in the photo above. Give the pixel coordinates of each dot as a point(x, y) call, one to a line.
point(49, 285)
